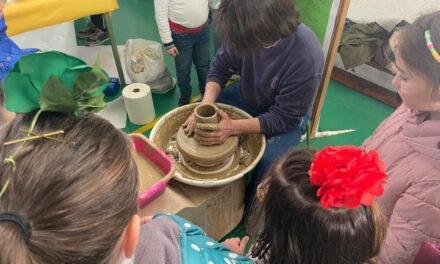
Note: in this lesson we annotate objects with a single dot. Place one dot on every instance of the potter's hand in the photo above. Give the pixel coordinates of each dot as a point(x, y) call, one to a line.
point(236, 244)
point(215, 134)
point(189, 124)
point(173, 52)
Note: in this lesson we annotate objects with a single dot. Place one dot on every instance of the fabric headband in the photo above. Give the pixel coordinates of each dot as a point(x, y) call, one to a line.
point(20, 221)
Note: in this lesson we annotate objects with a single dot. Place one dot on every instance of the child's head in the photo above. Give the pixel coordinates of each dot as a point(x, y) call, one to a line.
point(249, 25)
point(299, 228)
point(418, 76)
point(78, 197)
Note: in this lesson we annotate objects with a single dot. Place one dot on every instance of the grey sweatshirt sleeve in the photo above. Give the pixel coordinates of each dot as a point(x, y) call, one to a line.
point(158, 242)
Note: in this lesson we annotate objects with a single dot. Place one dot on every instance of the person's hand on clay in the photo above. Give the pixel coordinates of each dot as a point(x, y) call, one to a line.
point(189, 125)
point(215, 134)
point(173, 52)
point(236, 244)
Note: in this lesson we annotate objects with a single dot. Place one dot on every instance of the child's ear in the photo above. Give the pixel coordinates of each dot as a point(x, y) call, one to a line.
point(131, 236)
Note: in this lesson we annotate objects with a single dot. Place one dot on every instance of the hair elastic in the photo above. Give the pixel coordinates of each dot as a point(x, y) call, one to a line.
point(431, 47)
point(20, 221)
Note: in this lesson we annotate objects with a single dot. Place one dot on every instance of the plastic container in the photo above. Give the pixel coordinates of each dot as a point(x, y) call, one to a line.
point(113, 87)
point(155, 169)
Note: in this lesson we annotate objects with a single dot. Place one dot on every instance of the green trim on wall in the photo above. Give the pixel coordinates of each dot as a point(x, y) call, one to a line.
point(315, 14)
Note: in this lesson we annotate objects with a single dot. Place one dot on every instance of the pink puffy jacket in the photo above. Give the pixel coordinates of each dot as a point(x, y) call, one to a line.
point(409, 144)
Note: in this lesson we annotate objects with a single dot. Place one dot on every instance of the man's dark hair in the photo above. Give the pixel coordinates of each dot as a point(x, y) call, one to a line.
point(249, 25)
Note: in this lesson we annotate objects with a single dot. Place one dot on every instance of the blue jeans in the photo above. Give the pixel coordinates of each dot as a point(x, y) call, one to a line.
point(193, 47)
point(276, 146)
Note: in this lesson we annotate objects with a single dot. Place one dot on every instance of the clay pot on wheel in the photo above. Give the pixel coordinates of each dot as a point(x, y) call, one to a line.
point(206, 114)
point(206, 159)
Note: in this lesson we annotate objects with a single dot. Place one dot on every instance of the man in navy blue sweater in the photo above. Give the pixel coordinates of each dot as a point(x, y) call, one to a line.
point(280, 63)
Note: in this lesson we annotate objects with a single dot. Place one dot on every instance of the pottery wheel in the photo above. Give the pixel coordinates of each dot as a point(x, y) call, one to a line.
point(207, 158)
point(221, 168)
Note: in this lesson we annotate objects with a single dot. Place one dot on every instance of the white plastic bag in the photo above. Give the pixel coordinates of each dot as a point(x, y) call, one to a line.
point(144, 64)
point(163, 83)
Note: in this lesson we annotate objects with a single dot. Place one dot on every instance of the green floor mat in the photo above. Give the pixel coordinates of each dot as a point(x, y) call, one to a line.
point(345, 108)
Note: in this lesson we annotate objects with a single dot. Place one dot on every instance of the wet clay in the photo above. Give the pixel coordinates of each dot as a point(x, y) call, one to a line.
point(149, 173)
point(241, 158)
point(207, 127)
point(245, 155)
point(205, 156)
point(202, 159)
point(206, 114)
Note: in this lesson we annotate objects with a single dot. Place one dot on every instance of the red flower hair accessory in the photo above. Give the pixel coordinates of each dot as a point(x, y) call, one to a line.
point(347, 176)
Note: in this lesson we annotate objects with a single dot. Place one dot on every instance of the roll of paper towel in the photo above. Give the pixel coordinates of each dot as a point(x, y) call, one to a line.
point(139, 103)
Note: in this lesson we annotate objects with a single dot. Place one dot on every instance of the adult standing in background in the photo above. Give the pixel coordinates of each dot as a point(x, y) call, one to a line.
point(280, 63)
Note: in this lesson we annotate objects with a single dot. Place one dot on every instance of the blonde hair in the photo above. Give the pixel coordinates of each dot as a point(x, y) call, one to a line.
point(77, 196)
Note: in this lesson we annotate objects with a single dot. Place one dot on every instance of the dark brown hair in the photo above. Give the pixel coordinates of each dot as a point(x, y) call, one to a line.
point(413, 49)
point(297, 229)
point(77, 196)
point(249, 25)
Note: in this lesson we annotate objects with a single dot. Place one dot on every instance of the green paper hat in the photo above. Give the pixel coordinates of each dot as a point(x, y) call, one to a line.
point(54, 81)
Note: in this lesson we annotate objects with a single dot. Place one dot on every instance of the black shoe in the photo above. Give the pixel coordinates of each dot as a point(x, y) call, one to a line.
point(97, 38)
point(87, 32)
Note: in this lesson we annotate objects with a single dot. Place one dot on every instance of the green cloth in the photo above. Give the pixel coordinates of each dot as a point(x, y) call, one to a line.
point(360, 42)
point(54, 81)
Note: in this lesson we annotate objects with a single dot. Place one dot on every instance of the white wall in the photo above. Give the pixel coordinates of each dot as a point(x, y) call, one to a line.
point(59, 37)
point(387, 13)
